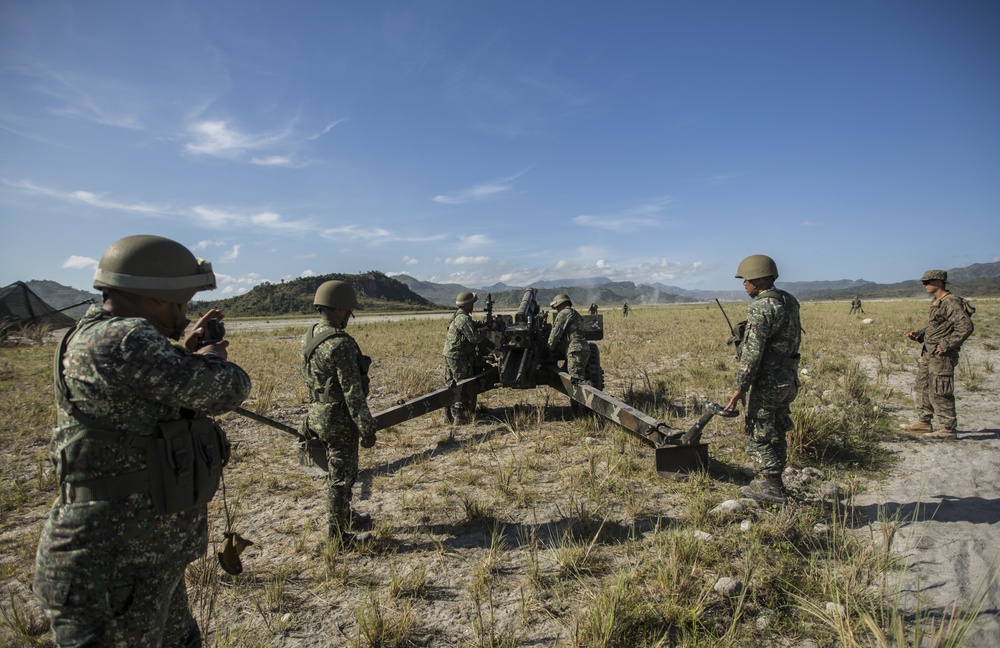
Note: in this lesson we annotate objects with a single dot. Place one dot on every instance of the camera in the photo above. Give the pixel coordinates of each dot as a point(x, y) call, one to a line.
point(215, 330)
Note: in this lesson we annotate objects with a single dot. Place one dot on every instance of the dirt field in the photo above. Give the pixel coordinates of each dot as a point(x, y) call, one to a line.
point(525, 528)
point(947, 498)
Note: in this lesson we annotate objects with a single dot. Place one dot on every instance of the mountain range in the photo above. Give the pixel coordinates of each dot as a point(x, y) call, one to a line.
point(378, 292)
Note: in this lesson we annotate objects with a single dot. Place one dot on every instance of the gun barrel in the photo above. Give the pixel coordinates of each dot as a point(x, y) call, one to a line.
point(529, 306)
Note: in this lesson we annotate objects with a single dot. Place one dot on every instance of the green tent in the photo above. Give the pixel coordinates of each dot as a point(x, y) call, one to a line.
point(19, 307)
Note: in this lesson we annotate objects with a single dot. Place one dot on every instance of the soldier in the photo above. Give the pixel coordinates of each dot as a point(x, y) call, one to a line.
point(593, 309)
point(856, 305)
point(460, 356)
point(131, 405)
point(567, 338)
point(336, 375)
point(769, 357)
point(940, 340)
point(625, 309)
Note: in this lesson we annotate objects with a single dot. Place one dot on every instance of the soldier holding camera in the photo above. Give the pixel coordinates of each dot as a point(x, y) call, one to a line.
point(136, 455)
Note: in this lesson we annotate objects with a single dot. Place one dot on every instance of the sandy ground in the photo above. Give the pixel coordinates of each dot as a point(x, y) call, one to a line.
point(946, 499)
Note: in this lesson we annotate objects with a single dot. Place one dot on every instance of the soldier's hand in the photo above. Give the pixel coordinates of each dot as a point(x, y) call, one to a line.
point(739, 397)
point(200, 329)
point(368, 440)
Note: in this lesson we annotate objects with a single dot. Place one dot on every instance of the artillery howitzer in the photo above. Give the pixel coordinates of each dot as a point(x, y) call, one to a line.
point(515, 355)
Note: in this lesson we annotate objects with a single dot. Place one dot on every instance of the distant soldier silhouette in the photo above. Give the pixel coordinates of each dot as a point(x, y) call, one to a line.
point(625, 309)
point(593, 309)
point(856, 305)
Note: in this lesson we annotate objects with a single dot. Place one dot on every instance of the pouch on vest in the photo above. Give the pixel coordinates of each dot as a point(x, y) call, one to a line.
point(185, 462)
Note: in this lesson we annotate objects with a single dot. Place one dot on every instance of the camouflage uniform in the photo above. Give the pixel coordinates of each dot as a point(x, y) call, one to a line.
point(567, 338)
point(460, 359)
point(769, 355)
point(336, 375)
point(947, 328)
point(110, 571)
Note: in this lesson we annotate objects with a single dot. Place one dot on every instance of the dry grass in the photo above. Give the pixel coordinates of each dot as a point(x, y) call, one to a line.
point(528, 526)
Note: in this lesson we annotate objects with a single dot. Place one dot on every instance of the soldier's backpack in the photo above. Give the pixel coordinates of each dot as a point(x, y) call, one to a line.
point(967, 306)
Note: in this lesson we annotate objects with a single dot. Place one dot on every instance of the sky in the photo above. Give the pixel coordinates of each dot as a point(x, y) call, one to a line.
point(472, 142)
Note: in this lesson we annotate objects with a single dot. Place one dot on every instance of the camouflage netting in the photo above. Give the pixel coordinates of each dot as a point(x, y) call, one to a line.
point(19, 306)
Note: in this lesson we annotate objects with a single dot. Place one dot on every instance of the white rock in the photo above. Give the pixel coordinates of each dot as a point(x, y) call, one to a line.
point(701, 535)
point(764, 619)
point(745, 525)
point(727, 586)
point(867, 320)
point(835, 609)
point(821, 529)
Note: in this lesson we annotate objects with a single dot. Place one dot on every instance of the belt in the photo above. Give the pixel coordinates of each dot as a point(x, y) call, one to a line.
point(104, 488)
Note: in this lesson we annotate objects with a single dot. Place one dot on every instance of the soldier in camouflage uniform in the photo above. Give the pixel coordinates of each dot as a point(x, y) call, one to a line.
point(336, 375)
point(567, 337)
point(460, 356)
point(111, 559)
point(940, 341)
point(769, 357)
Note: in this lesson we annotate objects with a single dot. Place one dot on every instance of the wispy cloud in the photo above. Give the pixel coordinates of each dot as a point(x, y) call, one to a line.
point(232, 255)
point(214, 218)
point(79, 262)
point(90, 198)
point(630, 220)
point(410, 261)
point(483, 191)
point(230, 285)
point(467, 260)
point(807, 223)
point(354, 232)
point(476, 240)
point(219, 138)
point(205, 244)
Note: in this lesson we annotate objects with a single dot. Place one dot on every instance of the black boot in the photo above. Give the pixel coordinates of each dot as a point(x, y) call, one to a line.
point(768, 489)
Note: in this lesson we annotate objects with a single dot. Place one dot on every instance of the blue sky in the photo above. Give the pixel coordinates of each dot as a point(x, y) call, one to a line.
point(475, 142)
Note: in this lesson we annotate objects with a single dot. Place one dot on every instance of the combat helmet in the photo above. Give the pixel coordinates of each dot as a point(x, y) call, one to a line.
point(336, 294)
point(931, 275)
point(466, 298)
point(561, 298)
point(757, 266)
point(155, 267)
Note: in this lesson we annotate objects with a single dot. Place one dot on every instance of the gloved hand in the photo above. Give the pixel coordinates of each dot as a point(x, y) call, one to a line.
point(368, 440)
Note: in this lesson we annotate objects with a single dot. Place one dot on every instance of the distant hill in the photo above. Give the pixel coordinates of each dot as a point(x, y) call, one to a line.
point(59, 296)
point(433, 292)
point(974, 280)
point(377, 292)
point(380, 293)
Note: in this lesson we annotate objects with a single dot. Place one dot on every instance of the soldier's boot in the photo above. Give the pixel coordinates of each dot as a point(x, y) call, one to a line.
point(768, 489)
point(919, 426)
point(449, 417)
point(942, 435)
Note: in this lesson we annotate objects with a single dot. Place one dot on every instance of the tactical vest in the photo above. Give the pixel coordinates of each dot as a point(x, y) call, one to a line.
point(769, 355)
point(184, 457)
point(323, 393)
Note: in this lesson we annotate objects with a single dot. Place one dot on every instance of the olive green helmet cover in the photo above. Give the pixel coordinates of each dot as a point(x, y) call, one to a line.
point(153, 266)
point(336, 294)
point(465, 298)
point(757, 266)
point(561, 298)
